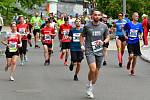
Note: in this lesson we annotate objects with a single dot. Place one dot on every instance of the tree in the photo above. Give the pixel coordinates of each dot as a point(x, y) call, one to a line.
point(113, 7)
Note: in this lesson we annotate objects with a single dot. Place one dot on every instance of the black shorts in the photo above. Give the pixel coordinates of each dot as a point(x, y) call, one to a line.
point(106, 45)
point(76, 56)
point(48, 45)
point(11, 54)
point(121, 38)
point(65, 45)
point(23, 49)
point(134, 49)
point(35, 31)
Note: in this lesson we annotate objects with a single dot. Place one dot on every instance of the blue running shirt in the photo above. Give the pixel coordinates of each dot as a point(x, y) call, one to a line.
point(133, 31)
point(119, 25)
point(75, 42)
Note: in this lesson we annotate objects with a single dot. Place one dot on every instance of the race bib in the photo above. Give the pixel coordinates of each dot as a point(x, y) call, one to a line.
point(96, 47)
point(36, 25)
point(47, 37)
point(76, 37)
point(66, 33)
point(13, 46)
point(133, 33)
point(22, 31)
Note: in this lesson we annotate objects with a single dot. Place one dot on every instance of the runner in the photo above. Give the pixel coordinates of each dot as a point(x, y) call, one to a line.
point(75, 48)
point(29, 36)
point(134, 29)
point(146, 30)
point(60, 21)
point(104, 20)
point(93, 34)
point(36, 23)
point(48, 34)
point(22, 28)
point(12, 42)
point(65, 40)
point(120, 37)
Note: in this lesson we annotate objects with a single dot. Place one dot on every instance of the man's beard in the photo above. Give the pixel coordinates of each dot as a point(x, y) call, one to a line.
point(95, 20)
point(77, 25)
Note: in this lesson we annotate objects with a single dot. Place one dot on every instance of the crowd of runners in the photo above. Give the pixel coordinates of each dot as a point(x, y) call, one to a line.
point(77, 36)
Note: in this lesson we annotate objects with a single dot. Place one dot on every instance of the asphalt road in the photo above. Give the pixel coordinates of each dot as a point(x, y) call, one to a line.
point(34, 81)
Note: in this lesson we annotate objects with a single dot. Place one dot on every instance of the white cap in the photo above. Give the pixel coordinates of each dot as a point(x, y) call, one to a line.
point(104, 15)
point(144, 15)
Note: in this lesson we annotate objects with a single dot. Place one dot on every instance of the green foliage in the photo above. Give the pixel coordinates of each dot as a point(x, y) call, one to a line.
point(30, 3)
point(113, 7)
point(8, 9)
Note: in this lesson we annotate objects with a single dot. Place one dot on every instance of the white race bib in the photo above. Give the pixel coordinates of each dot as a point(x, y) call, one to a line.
point(22, 31)
point(36, 25)
point(96, 48)
point(66, 33)
point(47, 37)
point(76, 37)
point(13, 46)
point(133, 33)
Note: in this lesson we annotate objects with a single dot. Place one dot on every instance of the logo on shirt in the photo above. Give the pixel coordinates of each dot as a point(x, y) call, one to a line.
point(96, 33)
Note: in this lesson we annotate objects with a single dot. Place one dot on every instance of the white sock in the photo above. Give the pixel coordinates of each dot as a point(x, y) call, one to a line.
point(90, 83)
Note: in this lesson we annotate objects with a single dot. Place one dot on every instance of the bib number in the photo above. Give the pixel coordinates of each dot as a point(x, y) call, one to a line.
point(22, 31)
point(133, 33)
point(47, 37)
point(36, 25)
point(76, 37)
point(96, 47)
point(66, 33)
point(13, 46)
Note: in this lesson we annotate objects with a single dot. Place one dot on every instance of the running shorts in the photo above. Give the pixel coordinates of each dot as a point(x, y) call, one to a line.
point(134, 49)
point(76, 56)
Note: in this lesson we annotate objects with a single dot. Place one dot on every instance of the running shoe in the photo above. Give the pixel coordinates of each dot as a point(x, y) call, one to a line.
point(65, 63)
point(48, 61)
point(11, 78)
point(89, 91)
point(25, 58)
point(132, 73)
point(120, 64)
point(45, 63)
point(75, 78)
point(36, 46)
point(104, 63)
point(22, 63)
point(30, 45)
point(71, 67)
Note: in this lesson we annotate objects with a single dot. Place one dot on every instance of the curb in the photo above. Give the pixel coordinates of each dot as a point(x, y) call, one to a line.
point(145, 58)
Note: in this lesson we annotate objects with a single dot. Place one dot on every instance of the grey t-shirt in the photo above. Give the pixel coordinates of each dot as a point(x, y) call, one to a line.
point(92, 33)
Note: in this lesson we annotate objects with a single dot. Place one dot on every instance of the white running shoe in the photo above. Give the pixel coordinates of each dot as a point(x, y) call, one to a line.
point(25, 58)
point(22, 63)
point(11, 78)
point(89, 91)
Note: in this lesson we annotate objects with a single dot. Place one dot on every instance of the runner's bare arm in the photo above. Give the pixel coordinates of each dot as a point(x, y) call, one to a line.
point(4, 41)
point(82, 39)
